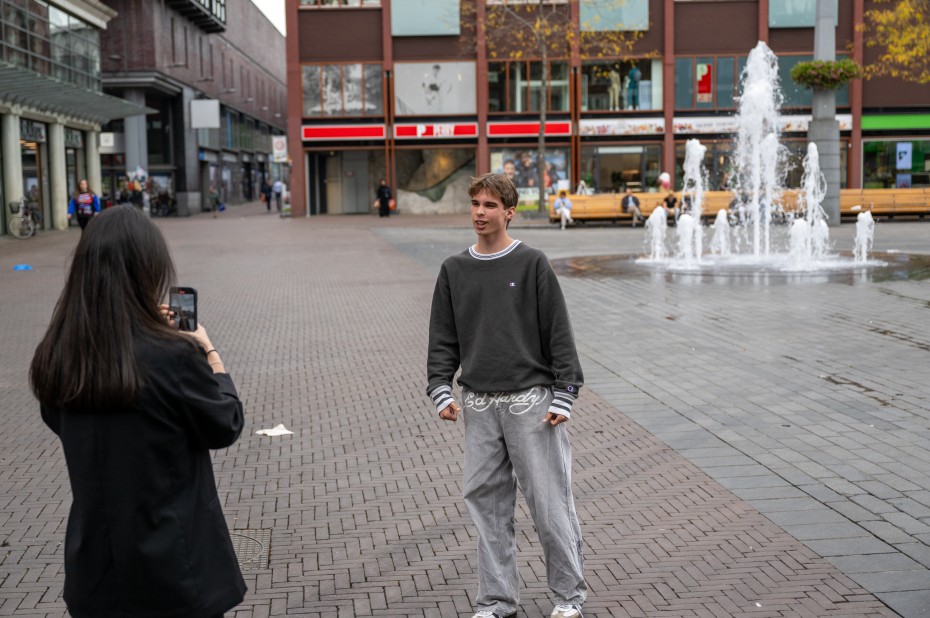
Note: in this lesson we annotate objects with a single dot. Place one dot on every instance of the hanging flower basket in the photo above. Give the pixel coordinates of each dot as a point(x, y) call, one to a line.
point(827, 74)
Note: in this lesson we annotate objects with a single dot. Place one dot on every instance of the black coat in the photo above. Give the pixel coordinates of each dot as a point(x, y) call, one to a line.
point(146, 534)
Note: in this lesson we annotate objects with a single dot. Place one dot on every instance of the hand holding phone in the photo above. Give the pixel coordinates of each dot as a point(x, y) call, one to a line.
point(182, 302)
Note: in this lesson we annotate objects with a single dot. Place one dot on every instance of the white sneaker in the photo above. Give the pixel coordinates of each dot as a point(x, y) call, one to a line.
point(566, 611)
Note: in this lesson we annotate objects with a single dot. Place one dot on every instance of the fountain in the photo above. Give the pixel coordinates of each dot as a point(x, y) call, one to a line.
point(801, 245)
point(720, 243)
point(865, 233)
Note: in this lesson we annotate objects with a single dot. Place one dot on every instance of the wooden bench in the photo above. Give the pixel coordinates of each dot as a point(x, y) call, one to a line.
point(881, 202)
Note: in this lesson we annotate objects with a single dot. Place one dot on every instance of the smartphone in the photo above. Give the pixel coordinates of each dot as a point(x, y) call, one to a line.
point(182, 302)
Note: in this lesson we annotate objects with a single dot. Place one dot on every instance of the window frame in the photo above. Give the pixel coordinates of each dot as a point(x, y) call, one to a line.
point(527, 95)
point(362, 64)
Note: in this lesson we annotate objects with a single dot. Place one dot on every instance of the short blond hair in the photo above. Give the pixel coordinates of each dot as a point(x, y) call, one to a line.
point(497, 184)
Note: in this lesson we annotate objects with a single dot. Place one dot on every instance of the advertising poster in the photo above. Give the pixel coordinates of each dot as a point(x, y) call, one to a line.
point(520, 166)
point(434, 88)
point(905, 156)
point(705, 83)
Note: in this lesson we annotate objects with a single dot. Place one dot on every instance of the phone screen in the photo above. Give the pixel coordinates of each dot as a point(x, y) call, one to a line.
point(183, 303)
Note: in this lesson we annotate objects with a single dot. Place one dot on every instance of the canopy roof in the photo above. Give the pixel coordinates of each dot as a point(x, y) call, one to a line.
point(25, 87)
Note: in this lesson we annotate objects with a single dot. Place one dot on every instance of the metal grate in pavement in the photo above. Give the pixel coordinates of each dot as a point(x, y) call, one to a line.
point(253, 546)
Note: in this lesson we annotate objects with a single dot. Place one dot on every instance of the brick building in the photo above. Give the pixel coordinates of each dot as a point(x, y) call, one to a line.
point(176, 57)
point(51, 103)
point(401, 90)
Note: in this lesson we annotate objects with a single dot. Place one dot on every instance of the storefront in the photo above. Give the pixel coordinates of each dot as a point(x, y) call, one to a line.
point(33, 140)
point(896, 163)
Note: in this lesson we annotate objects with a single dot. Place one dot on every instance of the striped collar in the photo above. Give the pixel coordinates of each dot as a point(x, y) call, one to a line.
point(492, 256)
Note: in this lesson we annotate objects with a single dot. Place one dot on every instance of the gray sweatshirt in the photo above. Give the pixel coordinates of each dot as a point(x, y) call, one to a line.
point(502, 318)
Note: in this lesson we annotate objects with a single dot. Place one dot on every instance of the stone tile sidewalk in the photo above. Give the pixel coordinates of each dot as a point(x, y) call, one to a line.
point(322, 324)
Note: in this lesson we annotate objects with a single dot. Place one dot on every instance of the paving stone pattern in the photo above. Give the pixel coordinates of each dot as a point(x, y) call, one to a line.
point(322, 324)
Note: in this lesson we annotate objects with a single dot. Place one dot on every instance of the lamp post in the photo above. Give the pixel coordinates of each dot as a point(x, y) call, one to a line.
point(824, 130)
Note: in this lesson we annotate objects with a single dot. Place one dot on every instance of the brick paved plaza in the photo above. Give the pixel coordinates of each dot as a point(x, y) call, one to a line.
point(758, 450)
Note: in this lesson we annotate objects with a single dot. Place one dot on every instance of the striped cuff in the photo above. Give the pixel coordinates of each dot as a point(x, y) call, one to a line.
point(442, 397)
point(562, 403)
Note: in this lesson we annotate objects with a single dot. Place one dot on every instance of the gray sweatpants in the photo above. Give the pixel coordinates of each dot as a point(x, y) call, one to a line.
point(504, 434)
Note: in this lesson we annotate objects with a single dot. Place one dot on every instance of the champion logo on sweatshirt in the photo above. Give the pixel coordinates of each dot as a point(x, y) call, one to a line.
point(513, 284)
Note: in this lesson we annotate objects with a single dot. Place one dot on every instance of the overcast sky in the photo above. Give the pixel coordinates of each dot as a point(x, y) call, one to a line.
point(274, 9)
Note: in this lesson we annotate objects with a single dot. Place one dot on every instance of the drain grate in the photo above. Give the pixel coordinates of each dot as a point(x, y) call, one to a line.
point(252, 546)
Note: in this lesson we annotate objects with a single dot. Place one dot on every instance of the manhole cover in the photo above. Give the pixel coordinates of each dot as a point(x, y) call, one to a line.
point(252, 547)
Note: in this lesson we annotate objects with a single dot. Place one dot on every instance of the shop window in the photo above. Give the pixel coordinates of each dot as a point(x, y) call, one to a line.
point(796, 95)
point(158, 131)
point(796, 14)
point(497, 86)
point(621, 85)
point(684, 83)
point(521, 166)
point(611, 169)
point(614, 15)
point(524, 86)
point(341, 90)
point(418, 18)
point(901, 164)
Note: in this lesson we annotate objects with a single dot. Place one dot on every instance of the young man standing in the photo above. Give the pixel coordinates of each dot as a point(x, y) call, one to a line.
point(499, 314)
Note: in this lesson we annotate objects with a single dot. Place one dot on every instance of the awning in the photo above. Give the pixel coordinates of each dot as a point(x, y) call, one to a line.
point(25, 87)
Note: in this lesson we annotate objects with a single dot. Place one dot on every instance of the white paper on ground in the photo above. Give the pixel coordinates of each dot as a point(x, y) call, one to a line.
point(279, 430)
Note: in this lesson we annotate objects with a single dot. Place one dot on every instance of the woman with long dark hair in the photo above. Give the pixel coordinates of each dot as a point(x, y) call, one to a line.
point(137, 406)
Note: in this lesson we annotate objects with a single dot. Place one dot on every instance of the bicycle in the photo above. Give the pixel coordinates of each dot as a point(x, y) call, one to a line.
point(22, 223)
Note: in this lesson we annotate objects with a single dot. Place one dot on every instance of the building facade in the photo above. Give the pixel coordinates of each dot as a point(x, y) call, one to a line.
point(52, 105)
point(213, 74)
point(418, 96)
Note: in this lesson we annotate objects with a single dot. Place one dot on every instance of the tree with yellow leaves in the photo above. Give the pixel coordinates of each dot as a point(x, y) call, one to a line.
point(543, 30)
point(902, 33)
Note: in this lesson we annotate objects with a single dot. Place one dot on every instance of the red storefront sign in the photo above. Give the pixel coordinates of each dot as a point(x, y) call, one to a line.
point(705, 82)
point(528, 129)
point(338, 132)
point(445, 130)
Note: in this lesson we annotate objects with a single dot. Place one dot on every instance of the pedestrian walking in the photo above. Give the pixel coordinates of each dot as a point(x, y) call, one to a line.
point(278, 189)
point(384, 198)
point(214, 199)
point(498, 314)
point(630, 204)
point(85, 204)
point(266, 194)
point(563, 206)
point(137, 406)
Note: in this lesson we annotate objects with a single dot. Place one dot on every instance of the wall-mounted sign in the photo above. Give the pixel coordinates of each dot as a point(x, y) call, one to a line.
point(331, 132)
point(279, 148)
point(728, 124)
point(904, 156)
point(623, 126)
point(205, 114)
point(73, 138)
point(444, 130)
point(528, 129)
point(31, 131)
point(705, 83)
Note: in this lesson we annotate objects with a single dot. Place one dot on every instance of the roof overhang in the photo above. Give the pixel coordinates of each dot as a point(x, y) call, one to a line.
point(28, 88)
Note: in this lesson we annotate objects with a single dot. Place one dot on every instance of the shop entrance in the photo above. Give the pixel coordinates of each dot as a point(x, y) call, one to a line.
point(35, 184)
point(347, 183)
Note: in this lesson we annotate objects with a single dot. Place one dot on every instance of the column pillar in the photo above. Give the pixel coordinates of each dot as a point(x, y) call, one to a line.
point(668, 90)
point(295, 113)
point(483, 152)
point(92, 158)
point(57, 177)
point(855, 100)
point(187, 177)
point(12, 164)
point(137, 145)
point(824, 130)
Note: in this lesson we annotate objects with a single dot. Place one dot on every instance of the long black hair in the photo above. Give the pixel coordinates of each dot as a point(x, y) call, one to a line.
point(120, 271)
